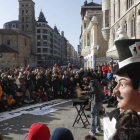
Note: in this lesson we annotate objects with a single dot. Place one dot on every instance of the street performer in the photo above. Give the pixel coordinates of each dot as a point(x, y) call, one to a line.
point(128, 78)
point(94, 91)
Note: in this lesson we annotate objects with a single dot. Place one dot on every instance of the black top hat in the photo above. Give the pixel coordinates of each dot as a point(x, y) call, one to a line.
point(87, 74)
point(129, 55)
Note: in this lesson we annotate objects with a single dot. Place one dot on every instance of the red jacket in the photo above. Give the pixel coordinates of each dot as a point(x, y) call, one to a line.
point(105, 69)
point(39, 131)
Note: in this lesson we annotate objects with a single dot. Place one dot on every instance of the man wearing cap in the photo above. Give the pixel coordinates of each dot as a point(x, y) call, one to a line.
point(127, 73)
point(94, 91)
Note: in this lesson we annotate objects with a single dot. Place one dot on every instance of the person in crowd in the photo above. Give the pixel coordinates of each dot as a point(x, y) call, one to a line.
point(0, 92)
point(28, 99)
point(89, 137)
point(50, 94)
point(112, 61)
point(14, 88)
point(61, 134)
point(4, 103)
point(70, 66)
point(35, 96)
point(47, 85)
point(111, 67)
point(40, 82)
point(129, 128)
point(19, 100)
point(22, 82)
point(105, 69)
point(66, 80)
point(109, 75)
point(72, 86)
point(39, 131)
point(44, 97)
point(100, 73)
point(55, 67)
point(1, 138)
point(94, 91)
point(11, 102)
point(56, 84)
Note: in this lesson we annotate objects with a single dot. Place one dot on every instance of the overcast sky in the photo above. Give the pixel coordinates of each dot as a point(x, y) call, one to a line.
point(64, 13)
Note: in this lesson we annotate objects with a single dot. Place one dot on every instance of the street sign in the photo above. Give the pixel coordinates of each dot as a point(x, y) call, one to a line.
point(33, 64)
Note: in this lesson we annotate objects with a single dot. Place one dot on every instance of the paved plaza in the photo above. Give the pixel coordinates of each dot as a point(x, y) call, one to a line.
point(17, 128)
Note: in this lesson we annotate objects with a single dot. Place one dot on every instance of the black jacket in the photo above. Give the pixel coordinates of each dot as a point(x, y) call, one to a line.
point(95, 91)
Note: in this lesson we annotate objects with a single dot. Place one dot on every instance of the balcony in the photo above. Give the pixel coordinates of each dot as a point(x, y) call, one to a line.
point(106, 33)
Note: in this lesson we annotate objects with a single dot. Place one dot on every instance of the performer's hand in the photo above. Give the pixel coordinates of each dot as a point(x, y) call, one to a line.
point(84, 92)
point(85, 87)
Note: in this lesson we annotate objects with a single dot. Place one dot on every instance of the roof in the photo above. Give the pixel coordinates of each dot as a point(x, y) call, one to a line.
point(11, 32)
point(92, 4)
point(41, 17)
point(6, 49)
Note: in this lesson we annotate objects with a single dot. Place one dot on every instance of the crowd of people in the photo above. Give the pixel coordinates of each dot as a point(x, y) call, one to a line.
point(27, 86)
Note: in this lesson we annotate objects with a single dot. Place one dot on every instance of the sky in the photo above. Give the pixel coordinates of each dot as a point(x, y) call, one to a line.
point(65, 14)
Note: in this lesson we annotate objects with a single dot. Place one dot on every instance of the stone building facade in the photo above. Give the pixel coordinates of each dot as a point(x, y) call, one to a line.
point(117, 13)
point(92, 43)
point(19, 46)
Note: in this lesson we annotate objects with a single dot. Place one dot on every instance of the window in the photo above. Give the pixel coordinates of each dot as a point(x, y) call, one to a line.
point(26, 12)
point(22, 19)
point(38, 36)
point(44, 37)
point(7, 26)
point(43, 25)
point(84, 25)
point(133, 27)
point(39, 57)
point(107, 18)
point(22, 5)
point(26, 27)
point(44, 43)
point(38, 30)
point(22, 27)
point(25, 42)
point(22, 12)
point(45, 50)
point(26, 5)
point(0, 55)
point(38, 50)
point(44, 31)
point(38, 44)
point(8, 42)
point(27, 19)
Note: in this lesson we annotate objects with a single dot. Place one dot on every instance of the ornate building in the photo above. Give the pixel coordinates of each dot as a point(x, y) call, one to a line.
point(49, 43)
point(117, 13)
point(93, 45)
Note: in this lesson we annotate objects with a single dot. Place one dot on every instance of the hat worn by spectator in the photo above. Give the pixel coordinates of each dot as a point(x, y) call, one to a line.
point(61, 134)
point(129, 55)
point(87, 74)
point(39, 131)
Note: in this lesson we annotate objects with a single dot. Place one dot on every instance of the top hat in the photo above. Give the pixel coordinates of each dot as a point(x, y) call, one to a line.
point(129, 55)
point(87, 74)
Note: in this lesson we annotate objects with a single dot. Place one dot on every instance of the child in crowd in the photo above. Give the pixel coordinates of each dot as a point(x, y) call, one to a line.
point(65, 94)
point(27, 96)
point(39, 92)
point(11, 101)
point(36, 97)
point(19, 100)
point(44, 97)
point(89, 137)
point(50, 94)
point(4, 103)
point(109, 75)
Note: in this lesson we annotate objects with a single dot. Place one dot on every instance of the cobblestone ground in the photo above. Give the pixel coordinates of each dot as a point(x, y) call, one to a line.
point(64, 117)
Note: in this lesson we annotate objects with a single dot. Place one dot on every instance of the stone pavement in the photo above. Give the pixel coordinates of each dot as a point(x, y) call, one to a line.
point(17, 128)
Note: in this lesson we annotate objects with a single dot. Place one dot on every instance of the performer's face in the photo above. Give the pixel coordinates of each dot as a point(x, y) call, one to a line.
point(130, 97)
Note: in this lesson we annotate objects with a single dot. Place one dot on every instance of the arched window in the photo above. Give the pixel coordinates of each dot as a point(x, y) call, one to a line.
point(133, 27)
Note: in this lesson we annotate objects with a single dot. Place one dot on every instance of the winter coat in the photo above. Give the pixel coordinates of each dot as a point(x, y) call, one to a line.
point(39, 131)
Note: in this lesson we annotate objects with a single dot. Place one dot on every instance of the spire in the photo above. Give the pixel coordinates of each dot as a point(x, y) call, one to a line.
point(41, 17)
